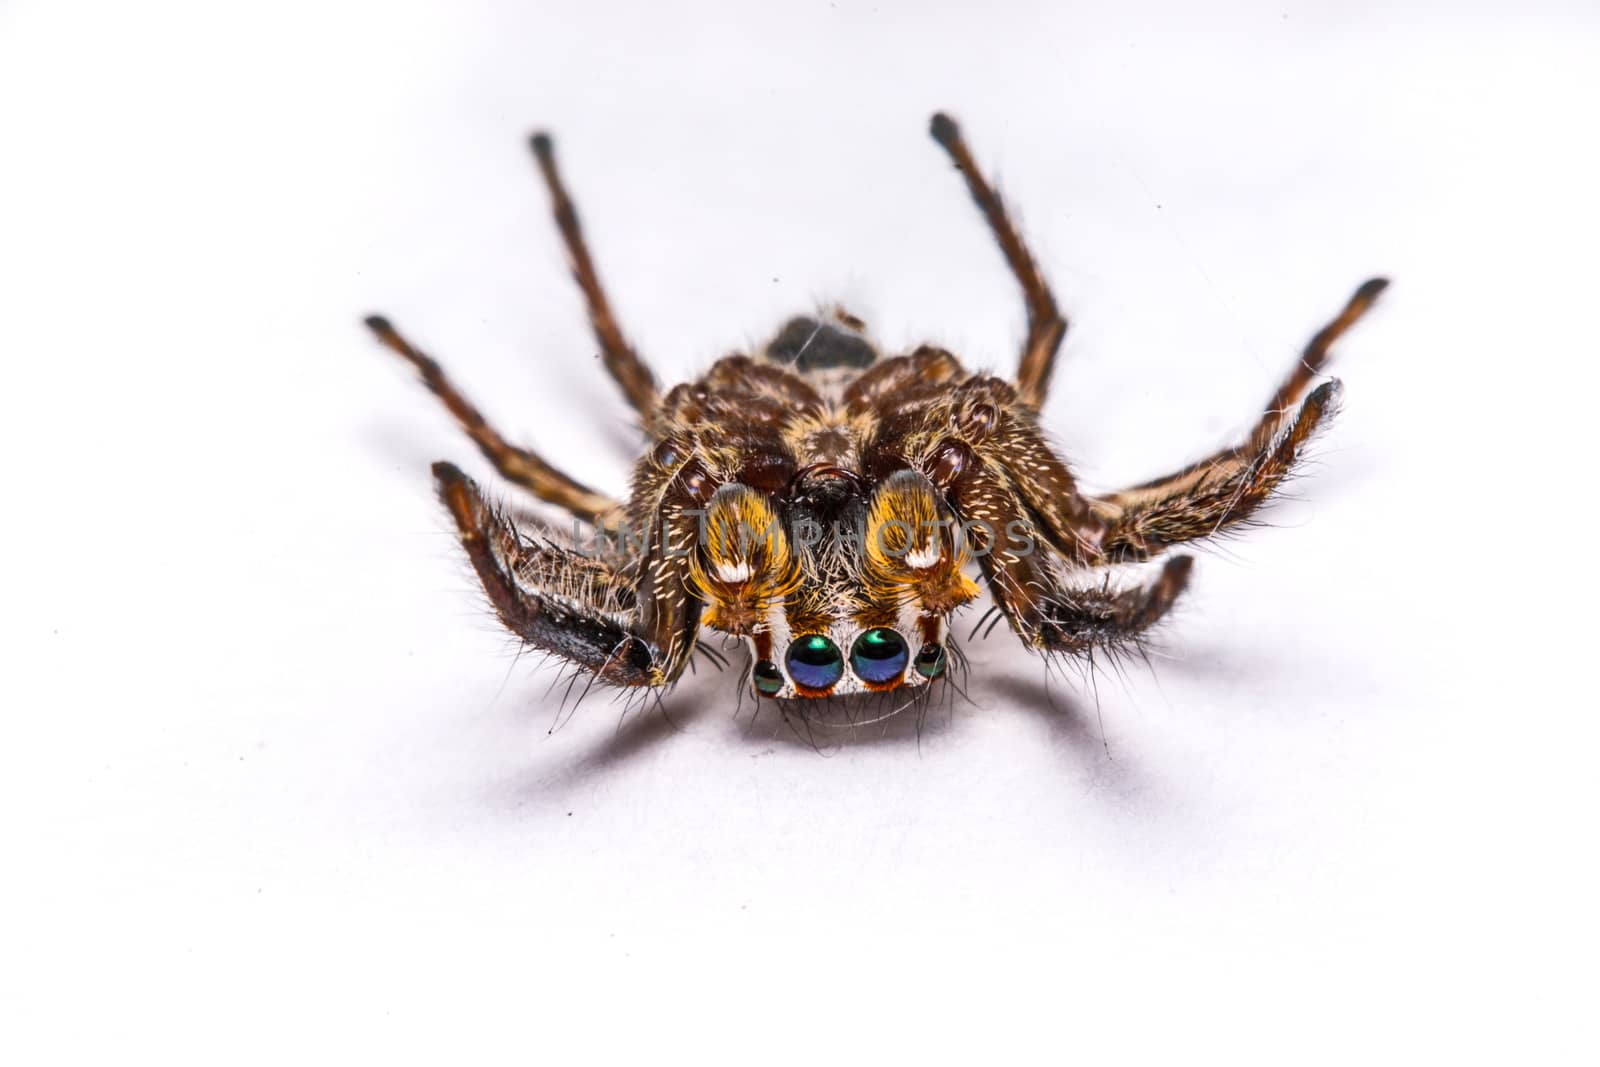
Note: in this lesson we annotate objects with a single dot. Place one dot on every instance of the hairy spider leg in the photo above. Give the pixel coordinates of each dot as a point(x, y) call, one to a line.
point(1046, 325)
point(1005, 434)
point(516, 464)
point(1222, 489)
point(579, 630)
point(1026, 577)
point(630, 372)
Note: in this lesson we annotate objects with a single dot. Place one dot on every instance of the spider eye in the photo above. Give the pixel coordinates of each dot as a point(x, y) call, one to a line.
point(769, 680)
point(666, 454)
point(815, 662)
point(930, 661)
point(879, 656)
point(949, 462)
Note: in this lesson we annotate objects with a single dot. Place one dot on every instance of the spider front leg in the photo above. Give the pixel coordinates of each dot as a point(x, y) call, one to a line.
point(1227, 487)
point(987, 417)
point(1080, 620)
point(516, 464)
point(1046, 325)
point(569, 614)
point(1030, 581)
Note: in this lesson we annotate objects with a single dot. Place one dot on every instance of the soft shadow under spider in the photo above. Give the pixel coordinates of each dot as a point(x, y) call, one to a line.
point(1074, 725)
point(655, 720)
point(1211, 661)
point(638, 729)
point(856, 721)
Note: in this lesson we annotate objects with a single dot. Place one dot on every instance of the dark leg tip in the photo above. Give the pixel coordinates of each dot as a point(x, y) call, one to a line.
point(1370, 289)
point(447, 473)
point(391, 339)
point(460, 496)
point(1324, 396)
point(944, 129)
point(542, 145)
point(1170, 586)
point(1157, 598)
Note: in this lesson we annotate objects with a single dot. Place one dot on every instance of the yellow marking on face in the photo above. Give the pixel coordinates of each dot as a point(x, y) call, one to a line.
point(745, 563)
point(912, 548)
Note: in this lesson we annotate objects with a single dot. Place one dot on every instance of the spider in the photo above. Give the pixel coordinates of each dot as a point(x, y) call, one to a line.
point(825, 503)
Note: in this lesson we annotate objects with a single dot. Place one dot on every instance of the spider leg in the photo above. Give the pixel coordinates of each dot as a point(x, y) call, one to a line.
point(552, 569)
point(1078, 620)
point(1029, 580)
point(578, 627)
point(1046, 485)
point(1046, 326)
point(1211, 499)
point(669, 612)
point(985, 416)
point(1224, 488)
point(516, 464)
point(630, 372)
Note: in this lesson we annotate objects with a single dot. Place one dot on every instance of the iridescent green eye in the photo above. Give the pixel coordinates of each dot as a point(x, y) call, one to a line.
point(769, 680)
point(815, 662)
point(930, 661)
point(879, 656)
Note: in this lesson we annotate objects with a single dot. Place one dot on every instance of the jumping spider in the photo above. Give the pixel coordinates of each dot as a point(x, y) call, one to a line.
point(918, 469)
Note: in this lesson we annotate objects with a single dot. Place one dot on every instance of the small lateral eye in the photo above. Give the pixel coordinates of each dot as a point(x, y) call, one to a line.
point(769, 680)
point(879, 656)
point(930, 660)
point(948, 463)
point(815, 662)
point(696, 481)
point(666, 454)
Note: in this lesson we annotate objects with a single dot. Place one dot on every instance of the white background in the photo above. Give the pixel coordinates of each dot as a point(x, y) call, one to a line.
point(275, 785)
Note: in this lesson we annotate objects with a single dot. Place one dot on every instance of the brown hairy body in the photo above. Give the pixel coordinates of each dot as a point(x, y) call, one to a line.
point(827, 504)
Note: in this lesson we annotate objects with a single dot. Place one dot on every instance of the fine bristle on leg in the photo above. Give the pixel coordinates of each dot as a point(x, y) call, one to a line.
point(1315, 356)
point(1046, 325)
point(1030, 581)
point(1081, 620)
point(587, 638)
point(1207, 496)
point(630, 372)
point(1210, 500)
point(516, 464)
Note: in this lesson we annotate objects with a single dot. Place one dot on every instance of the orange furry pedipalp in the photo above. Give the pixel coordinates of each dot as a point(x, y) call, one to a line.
point(914, 548)
point(746, 564)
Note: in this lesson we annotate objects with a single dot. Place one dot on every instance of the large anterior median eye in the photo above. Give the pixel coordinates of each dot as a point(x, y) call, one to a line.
point(815, 662)
point(879, 656)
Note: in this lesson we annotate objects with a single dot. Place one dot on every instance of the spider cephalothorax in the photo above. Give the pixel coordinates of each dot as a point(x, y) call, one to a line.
point(825, 503)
